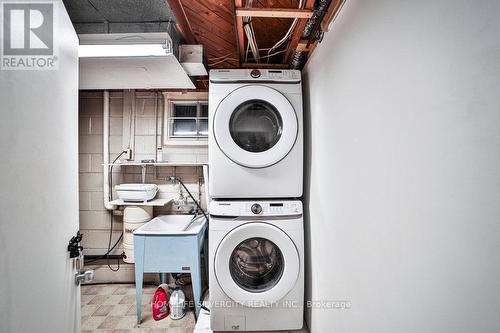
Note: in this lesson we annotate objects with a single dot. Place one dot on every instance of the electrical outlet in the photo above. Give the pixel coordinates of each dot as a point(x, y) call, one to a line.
point(128, 154)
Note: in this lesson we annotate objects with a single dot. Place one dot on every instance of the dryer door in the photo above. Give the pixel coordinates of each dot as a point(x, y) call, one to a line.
point(256, 264)
point(255, 126)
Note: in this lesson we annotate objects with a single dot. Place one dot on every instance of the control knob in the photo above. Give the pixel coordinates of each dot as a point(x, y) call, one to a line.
point(256, 209)
point(255, 73)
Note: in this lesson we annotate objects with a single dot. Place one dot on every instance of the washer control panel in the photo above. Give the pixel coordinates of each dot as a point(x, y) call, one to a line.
point(256, 208)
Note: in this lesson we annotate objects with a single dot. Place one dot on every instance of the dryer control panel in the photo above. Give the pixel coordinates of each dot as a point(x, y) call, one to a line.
point(255, 75)
point(256, 208)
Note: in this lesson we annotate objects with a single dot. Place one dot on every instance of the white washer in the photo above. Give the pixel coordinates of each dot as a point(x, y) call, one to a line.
point(256, 265)
point(255, 133)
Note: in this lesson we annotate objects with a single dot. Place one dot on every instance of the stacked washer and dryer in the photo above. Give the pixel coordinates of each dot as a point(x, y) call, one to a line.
point(256, 240)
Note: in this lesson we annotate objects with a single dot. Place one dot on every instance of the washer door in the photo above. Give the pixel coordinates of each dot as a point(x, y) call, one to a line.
point(256, 264)
point(255, 126)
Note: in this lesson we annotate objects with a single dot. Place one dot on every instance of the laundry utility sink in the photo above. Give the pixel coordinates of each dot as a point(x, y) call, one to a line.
point(172, 225)
point(170, 244)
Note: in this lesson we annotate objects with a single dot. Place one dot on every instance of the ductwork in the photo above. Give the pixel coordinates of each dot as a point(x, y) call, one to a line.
point(312, 25)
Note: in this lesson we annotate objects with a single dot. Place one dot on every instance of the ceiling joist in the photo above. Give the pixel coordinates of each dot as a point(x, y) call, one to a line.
point(240, 37)
point(274, 12)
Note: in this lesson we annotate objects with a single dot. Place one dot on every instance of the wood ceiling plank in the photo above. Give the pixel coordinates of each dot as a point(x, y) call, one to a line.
point(214, 29)
point(269, 30)
point(209, 20)
point(274, 12)
point(209, 10)
point(221, 7)
point(181, 21)
point(213, 55)
point(214, 39)
point(221, 31)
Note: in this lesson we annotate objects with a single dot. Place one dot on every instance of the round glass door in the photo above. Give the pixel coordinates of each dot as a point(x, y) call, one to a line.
point(255, 126)
point(256, 264)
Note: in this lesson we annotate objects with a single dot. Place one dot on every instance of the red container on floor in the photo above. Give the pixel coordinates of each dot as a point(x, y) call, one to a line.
point(160, 303)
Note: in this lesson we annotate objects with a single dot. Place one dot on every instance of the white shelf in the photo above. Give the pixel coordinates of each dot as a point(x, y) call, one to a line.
point(156, 164)
point(154, 202)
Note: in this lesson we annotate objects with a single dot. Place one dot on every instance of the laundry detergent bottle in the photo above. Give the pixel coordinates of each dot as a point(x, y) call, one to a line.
point(177, 304)
point(160, 303)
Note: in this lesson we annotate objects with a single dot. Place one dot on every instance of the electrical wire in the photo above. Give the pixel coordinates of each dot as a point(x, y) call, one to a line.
point(111, 218)
point(217, 58)
point(249, 32)
point(221, 61)
point(246, 52)
point(287, 35)
point(273, 54)
point(106, 255)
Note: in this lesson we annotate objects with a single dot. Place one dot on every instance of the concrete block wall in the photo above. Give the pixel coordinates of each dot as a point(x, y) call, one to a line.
point(94, 218)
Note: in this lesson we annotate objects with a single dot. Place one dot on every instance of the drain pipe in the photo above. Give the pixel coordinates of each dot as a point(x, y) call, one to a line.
point(105, 145)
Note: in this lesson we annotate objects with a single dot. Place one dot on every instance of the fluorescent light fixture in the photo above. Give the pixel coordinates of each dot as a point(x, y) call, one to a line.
point(124, 50)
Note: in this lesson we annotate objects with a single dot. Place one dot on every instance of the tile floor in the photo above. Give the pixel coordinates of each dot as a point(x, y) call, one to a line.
point(111, 309)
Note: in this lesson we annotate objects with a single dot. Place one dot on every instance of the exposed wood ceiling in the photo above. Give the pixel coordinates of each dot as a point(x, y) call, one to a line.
point(219, 26)
point(211, 23)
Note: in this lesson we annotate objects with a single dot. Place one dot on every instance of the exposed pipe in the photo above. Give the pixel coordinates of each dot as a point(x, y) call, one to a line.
point(105, 142)
point(156, 125)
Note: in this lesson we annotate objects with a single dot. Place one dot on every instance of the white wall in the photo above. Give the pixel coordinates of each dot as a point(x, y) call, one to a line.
point(403, 168)
point(39, 192)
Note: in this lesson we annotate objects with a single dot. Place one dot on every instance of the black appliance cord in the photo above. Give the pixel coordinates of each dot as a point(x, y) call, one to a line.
point(106, 255)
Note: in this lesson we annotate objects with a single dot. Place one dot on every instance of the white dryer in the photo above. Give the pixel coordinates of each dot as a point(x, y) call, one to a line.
point(255, 145)
point(256, 265)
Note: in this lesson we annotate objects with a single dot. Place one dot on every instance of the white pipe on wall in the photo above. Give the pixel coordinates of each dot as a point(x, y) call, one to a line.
point(105, 141)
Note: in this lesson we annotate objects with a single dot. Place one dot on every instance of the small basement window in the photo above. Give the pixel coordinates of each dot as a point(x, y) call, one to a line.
point(187, 122)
